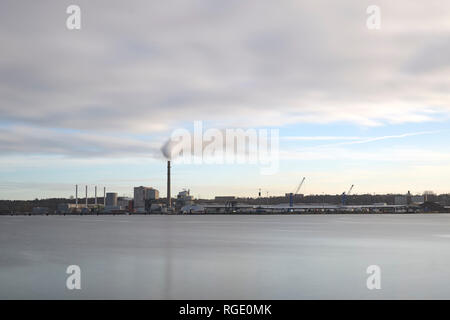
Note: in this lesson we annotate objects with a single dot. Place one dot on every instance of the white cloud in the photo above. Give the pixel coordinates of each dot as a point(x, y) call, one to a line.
point(145, 66)
point(38, 141)
point(113, 91)
point(355, 140)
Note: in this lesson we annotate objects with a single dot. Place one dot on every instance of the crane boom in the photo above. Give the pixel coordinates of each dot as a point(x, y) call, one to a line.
point(350, 190)
point(299, 186)
point(344, 195)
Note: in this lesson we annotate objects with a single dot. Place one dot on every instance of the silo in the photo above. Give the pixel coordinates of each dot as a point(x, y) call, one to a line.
point(111, 199)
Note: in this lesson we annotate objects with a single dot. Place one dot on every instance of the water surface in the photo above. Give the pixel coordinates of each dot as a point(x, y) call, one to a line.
point(225, 256)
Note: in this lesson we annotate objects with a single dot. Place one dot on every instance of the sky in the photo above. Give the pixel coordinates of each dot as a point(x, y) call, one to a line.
point(352, 105)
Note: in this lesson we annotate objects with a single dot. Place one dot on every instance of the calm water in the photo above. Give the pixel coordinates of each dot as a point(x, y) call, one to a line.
point(225, 257)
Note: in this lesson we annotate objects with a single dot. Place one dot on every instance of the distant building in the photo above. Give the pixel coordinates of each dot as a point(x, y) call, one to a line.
point(67, 207)
point(401, 200)
point(144, 196)
point(184, 198)
point(111, 199)
point(408, 199)
point(417, 199)
point(40, 210)
point(429, 195)
point(156, 207)
point(193, 208)
point(124, 202)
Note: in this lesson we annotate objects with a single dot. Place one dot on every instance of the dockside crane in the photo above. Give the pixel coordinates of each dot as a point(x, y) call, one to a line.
point(292, 194)
point(344, 195)
point(299, 186)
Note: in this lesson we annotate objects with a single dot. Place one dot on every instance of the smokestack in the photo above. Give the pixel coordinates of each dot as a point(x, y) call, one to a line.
point(104, 196)
point(86, 198)
point(76, 195)
point(95, 195)
point(169, 202)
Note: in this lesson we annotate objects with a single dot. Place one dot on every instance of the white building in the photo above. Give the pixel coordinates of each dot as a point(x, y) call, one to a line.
point(417, 199)
point(409, 199)
point(184, 198)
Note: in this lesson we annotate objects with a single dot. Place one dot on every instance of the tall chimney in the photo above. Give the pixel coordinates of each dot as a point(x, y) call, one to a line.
point(76, 196)
point(104, 196)
point(169, 200)
point(95, 195)
point(86, 198)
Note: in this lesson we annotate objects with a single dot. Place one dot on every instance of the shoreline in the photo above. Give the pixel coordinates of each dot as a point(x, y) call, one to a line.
point(227, 214)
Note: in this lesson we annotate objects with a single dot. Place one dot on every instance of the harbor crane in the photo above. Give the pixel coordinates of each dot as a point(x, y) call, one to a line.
point(299, 186)
point(344, 195)
point(292, 194)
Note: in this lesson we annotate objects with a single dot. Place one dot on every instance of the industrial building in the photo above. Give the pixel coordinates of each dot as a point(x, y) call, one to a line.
point(40, 210)
point(184, 198)
point(125, 202)
point(144, 197)
point(67, 207)
point(111, 199)
point(146, 201)
point(409, 199)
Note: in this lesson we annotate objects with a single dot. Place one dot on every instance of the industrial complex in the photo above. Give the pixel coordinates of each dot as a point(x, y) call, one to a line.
point(147, 200)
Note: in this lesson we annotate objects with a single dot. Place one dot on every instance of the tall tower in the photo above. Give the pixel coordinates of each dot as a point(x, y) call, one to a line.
point(169, 200)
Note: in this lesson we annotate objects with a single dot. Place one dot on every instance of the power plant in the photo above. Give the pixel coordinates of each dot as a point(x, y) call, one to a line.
point(146, 200)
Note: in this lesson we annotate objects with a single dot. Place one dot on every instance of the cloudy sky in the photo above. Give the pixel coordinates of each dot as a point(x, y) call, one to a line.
point(352, 105)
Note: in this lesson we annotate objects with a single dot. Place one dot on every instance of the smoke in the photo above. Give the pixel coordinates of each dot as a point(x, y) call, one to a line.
point(176, 147)
point(166, 150)
point(171, 149)
point(214, 143)
point(184, 142)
